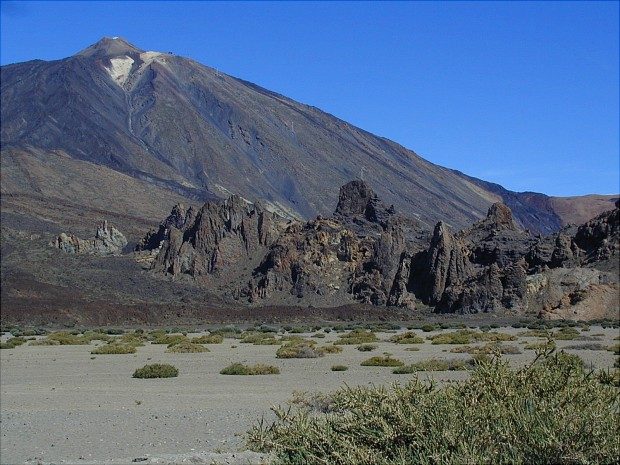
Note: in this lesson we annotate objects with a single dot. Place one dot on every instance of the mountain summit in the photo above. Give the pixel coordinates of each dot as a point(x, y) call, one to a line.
point(115, 125)
point(110, 47)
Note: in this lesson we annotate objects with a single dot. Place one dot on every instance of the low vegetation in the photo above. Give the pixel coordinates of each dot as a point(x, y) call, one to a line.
point(135, 339)
point(12, 342)
point(62, 339)
point(299, 349)
point(356, 337)
point(330, 349)
point(435, 365)
point(407, 338)
point(168, 339)
point(547, 345)
point(258, 369)
point(382, 361)
point(186, 347)
point(468, 336)
point(551, 411)
point(208, 339)
point(156, 370)
point(492, 348)
point(340, 368)
point(114, 349)
point(366, 347)
point(566, 333)
point(586, 346)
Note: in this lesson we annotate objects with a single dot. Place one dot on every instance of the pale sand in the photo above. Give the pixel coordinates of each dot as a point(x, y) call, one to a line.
point(59, 405)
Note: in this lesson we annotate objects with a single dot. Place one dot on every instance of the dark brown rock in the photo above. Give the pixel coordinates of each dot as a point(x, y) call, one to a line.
point(218, 236)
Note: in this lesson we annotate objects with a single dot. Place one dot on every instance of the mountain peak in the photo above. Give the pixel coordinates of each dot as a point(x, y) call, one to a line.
point(110, 47)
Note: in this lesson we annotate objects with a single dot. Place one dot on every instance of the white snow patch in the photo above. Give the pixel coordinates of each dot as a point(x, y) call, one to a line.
point(119, 69)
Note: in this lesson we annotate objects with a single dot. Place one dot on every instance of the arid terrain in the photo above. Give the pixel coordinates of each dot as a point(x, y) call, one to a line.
point(75, 407)
point(148, 200)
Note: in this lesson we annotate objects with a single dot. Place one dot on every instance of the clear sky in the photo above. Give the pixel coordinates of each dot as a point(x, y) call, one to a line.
point(522, 94)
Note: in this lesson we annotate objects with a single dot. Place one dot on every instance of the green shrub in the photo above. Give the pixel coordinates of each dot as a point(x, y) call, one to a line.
point(228, 332)
point(435, 365)
point(491, 348)
point(258, 369)
point(113, 331)
point(61, 338)
point(565, 333)
point(114, 348)
point(329, 349)
point(382, 361)
point(366, 347)
point(252, 337)
point(357, 336)
point(549, 412)
point(587, 346)
point(299, 330)
point(186, 347)
point(467, 336)
point(12, 342)
point(298, 350)
point(407, 338)
point(269, 341)
point(169, 339)
point(96, 336)
point(318, 335)
point(615, 349)
point(156, 370)
point(548, 345)
point(340, 368)
point(135, 339)
point(208, 339)
point(427, 328)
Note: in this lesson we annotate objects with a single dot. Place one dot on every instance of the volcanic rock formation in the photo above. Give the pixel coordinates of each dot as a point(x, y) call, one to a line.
point(369, 253)
point(107, 241)
point(216, 237)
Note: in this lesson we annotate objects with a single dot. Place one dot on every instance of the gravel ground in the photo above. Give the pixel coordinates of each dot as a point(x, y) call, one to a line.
point(64, 405)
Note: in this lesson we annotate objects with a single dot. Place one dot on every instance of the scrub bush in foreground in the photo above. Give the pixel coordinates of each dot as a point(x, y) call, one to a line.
point(551, 411)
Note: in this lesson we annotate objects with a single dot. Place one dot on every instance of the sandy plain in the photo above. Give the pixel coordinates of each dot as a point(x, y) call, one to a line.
point(60, 404)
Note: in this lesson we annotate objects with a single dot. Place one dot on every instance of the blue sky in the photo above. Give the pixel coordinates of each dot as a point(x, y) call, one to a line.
point(522, 94)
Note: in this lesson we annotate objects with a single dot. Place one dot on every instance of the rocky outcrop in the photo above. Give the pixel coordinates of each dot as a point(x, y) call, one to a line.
point(356, 200)
point(218, 236)
point(177, 219)
point(312, 259)
point(444, 265)
point(480, 269)
point(368, 253)
point(108, 241)
point(599, 238)
point(355, 255)
point(573, 293)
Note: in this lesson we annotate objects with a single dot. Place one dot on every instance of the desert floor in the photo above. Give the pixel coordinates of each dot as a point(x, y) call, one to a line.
point(60, 404)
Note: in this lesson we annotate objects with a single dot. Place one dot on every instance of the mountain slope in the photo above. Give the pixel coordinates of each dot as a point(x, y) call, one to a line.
point(189, 130)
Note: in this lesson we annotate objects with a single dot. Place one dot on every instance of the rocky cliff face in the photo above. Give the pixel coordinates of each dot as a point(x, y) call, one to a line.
point(367, 252)
point(216, 237)
point(494, 266)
